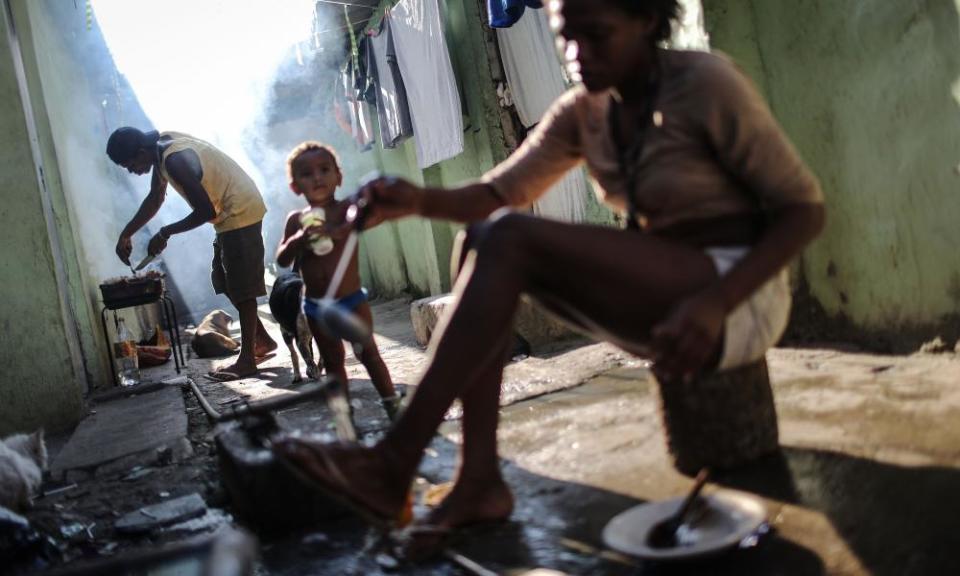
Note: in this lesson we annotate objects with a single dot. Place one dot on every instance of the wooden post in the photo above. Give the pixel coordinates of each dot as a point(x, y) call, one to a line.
point(721, 420)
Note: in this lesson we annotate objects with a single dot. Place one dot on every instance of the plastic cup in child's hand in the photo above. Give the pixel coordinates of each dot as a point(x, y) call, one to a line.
point(320, 244)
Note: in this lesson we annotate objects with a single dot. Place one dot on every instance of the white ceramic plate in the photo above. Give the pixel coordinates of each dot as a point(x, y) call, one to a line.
point(727, 518)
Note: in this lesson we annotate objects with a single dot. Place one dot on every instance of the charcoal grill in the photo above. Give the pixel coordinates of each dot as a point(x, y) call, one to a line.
point(132, 291)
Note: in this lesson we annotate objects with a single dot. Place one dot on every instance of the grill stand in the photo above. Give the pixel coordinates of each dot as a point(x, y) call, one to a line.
point(169, 312)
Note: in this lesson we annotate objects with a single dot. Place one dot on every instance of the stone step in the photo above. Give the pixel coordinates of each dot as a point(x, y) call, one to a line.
point(536, 326)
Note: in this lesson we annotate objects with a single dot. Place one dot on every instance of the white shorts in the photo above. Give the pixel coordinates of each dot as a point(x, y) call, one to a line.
point(758, 323)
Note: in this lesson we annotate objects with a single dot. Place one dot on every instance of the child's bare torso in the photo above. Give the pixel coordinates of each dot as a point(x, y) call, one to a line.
point(317, 271)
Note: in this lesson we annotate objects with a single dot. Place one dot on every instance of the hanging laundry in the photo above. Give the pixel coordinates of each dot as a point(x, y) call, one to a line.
point(506, 13)
point(392, 109)
point(366, 83)
point(342, 107)
point(429, 81)
point(536, 80)
point(357, 111)
point(532, 67)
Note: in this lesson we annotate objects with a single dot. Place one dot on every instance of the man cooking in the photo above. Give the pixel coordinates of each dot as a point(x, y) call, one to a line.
point(220, 192)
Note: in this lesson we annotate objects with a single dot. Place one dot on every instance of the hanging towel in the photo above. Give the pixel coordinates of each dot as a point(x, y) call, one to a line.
point(506, 13)
point(532, 67)
point(429, 81)
point(392, 109)
point(536, 80)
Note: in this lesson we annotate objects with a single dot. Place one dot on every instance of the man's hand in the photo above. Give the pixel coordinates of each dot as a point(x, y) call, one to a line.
point(157, 244)
point(684, 342)
point(124, 249)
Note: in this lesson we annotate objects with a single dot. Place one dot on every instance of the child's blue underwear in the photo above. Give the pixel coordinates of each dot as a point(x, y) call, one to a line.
point(311, 306)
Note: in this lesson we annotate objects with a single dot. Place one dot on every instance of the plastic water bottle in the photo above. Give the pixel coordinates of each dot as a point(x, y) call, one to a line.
point(125, 353)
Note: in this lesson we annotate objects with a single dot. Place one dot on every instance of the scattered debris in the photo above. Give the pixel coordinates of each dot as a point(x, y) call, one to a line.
point(164, 514)
point(387, 562)
point(138, 472)
point(164, 455)
point(214, 518)
point(58, 490)
point(435, 494)
point(23, 549)
point(935, 346)
point(73, 530)
point(315, 540)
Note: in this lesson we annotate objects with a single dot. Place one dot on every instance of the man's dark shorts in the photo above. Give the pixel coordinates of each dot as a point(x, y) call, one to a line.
point(238, 264)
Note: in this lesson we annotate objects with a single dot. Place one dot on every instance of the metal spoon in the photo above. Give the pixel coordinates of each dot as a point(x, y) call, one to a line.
point(664, 533)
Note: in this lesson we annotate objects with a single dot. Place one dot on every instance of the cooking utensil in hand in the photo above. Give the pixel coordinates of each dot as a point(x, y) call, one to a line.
point(664, 533)
point(143, 263)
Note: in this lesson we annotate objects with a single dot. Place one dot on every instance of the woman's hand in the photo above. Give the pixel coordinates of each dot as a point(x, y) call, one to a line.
point(390, 199)
point(687, 339)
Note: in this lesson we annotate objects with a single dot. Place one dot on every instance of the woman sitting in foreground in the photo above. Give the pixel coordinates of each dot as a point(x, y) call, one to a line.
point(718, 202)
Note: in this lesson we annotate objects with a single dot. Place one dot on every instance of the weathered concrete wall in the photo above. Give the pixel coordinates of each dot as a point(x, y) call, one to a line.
point(869, 92)
point(72, 148)
point(43, 374)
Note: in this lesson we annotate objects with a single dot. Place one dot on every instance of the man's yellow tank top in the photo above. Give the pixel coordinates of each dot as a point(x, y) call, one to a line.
point(232, 192)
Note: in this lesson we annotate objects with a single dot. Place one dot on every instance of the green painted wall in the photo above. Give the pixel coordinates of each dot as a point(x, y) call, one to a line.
point(42, 378)
point(413, 255)
point(869, 92)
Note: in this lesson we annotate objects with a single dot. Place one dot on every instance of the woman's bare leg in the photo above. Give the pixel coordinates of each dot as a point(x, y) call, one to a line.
point(619, 283)
point(480, 493)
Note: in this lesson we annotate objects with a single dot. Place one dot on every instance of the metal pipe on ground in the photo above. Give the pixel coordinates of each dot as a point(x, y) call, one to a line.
point(330, 389)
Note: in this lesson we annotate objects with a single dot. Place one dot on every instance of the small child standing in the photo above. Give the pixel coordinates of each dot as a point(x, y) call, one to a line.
point(313, 171)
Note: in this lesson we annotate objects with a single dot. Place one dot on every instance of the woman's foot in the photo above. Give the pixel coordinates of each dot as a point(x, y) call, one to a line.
point(364, 477)
point(473, 502)
point(470, 503)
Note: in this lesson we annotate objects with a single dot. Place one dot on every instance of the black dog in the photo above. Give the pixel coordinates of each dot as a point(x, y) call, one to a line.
point(286, 300)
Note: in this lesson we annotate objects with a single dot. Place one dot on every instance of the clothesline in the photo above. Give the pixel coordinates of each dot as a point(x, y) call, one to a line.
point(340, 3)
point(344, 27)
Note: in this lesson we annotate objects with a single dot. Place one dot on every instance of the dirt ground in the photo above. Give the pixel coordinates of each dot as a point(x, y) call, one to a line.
point(581, 441)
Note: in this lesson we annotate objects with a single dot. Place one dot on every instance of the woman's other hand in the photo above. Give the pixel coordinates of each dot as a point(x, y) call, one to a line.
point(688, 338)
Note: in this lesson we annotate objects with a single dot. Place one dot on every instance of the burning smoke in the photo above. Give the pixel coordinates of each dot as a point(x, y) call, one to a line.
point(208, 68)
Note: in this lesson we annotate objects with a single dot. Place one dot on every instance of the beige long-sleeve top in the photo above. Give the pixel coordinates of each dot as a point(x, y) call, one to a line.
point(715, 150)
